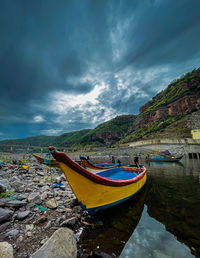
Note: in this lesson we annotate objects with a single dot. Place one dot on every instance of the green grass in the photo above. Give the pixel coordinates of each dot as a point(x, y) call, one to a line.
point(6, 194)
point(155, 127)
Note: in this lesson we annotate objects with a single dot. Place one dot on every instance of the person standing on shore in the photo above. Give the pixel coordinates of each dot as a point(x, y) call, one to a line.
point(136, 160)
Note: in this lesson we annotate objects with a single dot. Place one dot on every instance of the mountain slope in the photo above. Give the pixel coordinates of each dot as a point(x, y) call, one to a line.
point(169, 114)
point(104, 134)
point(109, 132)
point(66, 139)
point(159, 115)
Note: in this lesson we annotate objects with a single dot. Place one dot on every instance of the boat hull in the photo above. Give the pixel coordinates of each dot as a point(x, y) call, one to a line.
point(46, 161)
point(87, 164)
point(104, 189)
point(164, 159)
point(93, 196)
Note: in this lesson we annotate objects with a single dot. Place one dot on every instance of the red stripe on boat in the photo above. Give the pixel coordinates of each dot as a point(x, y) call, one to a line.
point(62, 157)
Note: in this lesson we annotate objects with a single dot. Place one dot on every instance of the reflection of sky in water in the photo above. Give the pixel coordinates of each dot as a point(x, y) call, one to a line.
point(150, 239)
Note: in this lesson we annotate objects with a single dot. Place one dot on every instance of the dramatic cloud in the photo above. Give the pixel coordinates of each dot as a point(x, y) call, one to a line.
point(70, 65)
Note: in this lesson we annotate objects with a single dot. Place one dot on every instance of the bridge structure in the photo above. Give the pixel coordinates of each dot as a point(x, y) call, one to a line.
point(30, 148)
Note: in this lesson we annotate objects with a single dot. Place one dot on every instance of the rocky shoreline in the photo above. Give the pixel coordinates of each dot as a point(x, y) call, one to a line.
point(36, 205)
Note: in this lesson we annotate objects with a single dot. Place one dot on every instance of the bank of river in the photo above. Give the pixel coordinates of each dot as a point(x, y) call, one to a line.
point(162, 221)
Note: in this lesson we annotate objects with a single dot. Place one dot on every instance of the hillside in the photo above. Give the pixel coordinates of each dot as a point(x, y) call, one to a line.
point(172, 113)
point(40, 140)
point(109, 132)
point(104, 134)
point(168, 113)
point(66, 139)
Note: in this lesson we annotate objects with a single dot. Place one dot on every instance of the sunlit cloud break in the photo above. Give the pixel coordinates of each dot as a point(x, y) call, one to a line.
point(63, 102)
point(38, 119)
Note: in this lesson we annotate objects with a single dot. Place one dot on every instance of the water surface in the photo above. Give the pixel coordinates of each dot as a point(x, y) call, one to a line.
point(162, 222)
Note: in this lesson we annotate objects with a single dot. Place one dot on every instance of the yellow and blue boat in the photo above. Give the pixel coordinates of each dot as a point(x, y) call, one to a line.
point(164, 159)
point(101, 190)
point(47, 160)
point(87, 164)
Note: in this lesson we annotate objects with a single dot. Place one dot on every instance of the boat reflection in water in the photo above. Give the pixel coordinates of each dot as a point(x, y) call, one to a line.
point(164, 164)
point(150, 239)
point(119, 223)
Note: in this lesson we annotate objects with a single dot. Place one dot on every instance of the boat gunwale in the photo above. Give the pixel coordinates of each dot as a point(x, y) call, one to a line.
point(62, 157)
point(47, 162)
point(164, 158)
point(94, 166)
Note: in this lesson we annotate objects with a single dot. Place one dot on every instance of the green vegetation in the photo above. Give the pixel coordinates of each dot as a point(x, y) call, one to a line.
point(116, 126)
point(5, 159)
point(69, 139)
point(117, 130)
point(6, 194)
point(40, 140)
point(147, 131)
point(187, 84)
point(66, 139)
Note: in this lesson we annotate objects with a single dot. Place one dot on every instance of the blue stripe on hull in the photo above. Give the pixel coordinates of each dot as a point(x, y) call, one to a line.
point(92, 211)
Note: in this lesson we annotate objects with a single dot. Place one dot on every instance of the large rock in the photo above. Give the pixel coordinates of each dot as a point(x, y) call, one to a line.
point(3, 201)
point(17, 185)
point(6, 250)
point(34, 197)
point(15, 203)
point(61, 244)
point(5, 215)
point(2, 188)
point(22, 215)
point(5, 183)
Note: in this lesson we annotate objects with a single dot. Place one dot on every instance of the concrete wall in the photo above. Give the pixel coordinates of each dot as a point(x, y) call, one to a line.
point(176, 146)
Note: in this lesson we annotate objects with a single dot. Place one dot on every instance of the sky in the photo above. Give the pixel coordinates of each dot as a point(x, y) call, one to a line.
point(70, 65)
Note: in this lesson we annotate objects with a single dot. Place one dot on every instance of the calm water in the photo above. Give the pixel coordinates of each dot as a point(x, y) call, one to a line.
point(164, 221)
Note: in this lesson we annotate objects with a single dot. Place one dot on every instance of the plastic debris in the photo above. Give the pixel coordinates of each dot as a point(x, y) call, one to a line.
point(25, 167)
point(57, 185)
point(40, 207)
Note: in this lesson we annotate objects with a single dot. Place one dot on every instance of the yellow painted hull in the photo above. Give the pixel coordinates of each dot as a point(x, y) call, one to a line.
point(92, 195)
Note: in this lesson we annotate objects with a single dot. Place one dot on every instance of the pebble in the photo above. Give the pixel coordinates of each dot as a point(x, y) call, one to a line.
point(40, 220)
point(29, 227)
point(52, 204)
point(48, 225)
point(6, 250)
point(69, 222)
point(2, 188)
point(32, 212)
point(5, 214)
point(34, 197)
point(12, 233)
point(22, 215)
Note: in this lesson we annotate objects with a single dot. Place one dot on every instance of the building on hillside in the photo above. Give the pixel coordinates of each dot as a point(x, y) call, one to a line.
point(195, 134)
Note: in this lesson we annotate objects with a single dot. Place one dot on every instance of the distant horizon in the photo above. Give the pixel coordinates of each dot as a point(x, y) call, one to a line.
point(73, 65)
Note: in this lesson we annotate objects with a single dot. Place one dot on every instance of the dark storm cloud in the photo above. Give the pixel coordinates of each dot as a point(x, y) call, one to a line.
point(132, 49)
point(162, 32)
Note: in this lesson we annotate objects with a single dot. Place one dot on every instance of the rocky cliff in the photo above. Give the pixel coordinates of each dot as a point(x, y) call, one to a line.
point(181, 106)
point(180, 98)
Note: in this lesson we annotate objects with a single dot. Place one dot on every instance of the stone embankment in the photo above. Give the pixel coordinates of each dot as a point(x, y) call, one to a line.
point(39, 214)
point(178, 146)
